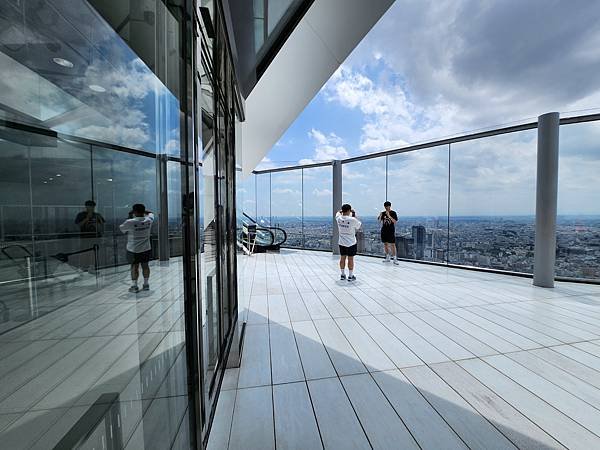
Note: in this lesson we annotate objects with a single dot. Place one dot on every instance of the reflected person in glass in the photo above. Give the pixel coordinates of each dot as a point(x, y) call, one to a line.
point(91, 228)
point(139, 250)
point(347, 224)
point(388, 219)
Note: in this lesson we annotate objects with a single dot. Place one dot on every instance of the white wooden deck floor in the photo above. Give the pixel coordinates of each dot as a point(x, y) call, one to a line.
point(409, 356)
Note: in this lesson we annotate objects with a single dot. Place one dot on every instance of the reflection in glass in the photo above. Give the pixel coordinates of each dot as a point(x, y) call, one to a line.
point(71, 335)
point(492, 202)
point(418, 190)
point(578, 221)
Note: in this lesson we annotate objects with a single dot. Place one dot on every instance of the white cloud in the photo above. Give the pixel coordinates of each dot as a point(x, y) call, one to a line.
point(327, 146)
point(265, 164)
point(433, 69)
point(322, 192)
point(286, 191)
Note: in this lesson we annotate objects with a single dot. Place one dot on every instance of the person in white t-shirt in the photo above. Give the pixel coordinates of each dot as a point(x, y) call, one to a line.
point(347, 225)
point(139, 251)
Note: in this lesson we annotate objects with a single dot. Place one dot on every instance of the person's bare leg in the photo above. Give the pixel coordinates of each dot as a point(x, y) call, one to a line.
point(343, 265)
point(387, 250)
point(135, 273)
point(393, 248)
point(350, 268)
point(146, 274)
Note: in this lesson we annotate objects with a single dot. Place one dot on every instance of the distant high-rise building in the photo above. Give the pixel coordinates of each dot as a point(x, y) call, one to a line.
point(403, 247)
point(418, 235)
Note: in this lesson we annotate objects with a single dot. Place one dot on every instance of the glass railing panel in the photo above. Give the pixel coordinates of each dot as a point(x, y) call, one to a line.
point(492, 202)
point(247, 195)
point(578, 221)
point(317, 200)
point(418, 190)
point(286, 205)
point(364, 189)
point(263, 199)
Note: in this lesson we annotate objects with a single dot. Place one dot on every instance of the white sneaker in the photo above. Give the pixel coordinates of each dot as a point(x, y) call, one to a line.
point(396, 263)
point(387, 259)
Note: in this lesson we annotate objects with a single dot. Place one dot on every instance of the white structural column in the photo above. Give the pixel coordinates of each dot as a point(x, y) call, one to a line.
point(546, 200)
point(337, 203)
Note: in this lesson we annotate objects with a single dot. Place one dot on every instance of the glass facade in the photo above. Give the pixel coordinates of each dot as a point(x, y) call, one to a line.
point(270, 17)
point(118, 295)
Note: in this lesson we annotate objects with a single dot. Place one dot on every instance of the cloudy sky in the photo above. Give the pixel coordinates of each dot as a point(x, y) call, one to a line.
point(430, 69)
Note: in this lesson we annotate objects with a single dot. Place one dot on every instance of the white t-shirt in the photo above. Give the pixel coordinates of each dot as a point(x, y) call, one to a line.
point(347, 226)
point(138, 233)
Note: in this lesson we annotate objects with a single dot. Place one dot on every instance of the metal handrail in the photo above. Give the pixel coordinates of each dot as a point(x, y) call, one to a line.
point(268, 228)
point(439, 142)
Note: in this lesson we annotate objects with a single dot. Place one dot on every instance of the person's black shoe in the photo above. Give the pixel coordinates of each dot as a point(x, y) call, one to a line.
point(351, 278)
point(343, 276)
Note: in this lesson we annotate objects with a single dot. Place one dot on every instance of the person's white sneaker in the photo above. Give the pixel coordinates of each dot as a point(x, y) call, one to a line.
point(396, 262)
point(387, 259)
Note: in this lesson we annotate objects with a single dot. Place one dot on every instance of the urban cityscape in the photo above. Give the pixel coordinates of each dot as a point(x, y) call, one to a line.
point(501, 243)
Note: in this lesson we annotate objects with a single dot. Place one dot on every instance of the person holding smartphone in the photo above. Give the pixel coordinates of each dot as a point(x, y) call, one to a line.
point(347, 225)
point(388, 219)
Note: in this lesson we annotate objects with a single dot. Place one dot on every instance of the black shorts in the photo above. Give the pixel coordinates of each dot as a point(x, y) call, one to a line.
point(137, 258)
point(348, 251)
point(388, 237)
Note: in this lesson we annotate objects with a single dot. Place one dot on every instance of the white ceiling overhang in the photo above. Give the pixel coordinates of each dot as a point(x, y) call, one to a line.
point(321, 41)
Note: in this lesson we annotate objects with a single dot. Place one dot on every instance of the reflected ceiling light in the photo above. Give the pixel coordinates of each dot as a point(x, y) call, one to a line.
point(96, 88)
point(58, 175)
point(51, 178)
point(45, 182)
point(109, 179)
point(63, 62)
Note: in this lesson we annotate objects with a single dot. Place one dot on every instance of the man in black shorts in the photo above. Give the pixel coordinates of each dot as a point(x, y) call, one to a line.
point(347, 225)
point(388, 219)
point(139, 250)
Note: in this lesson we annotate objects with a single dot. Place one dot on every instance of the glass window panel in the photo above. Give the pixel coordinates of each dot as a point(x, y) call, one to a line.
point(364, 188)
point(263, 199)
point(175, 202)
point(578, 221)
point(276, 10)
point(418, 190)
point(16, 234)
point(97, 340)
point(117, 190)
point(318, 204)
point(286, 205)
point(492, 202)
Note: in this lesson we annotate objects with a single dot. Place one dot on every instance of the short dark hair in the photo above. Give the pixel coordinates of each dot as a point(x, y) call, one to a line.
point(386, 203)
point(346, 207)
point(138, 208)
point(90, 203)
